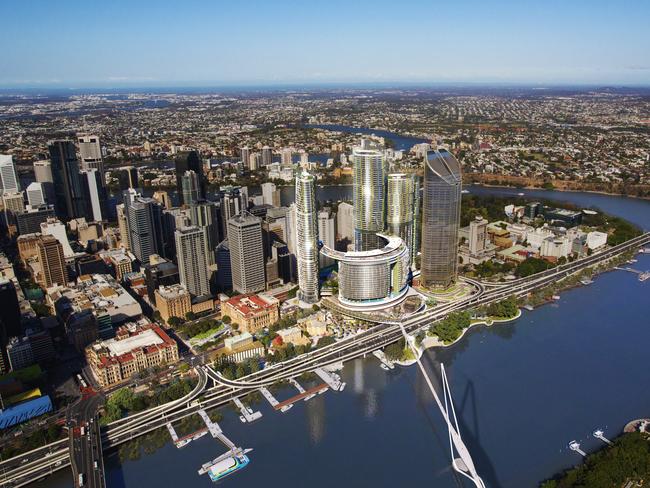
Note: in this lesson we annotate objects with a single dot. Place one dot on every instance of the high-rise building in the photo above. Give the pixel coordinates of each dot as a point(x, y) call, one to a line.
point(122, 225)
point(233, 202)
point(368, 195)
point(14, 205)
point(30, 220)
point(206, 215)
point(192, 255)
point(244, 155)
point(267, 156)
point(90, 154)
point(326, 233)
point(224, 273)
point(10, 309)
point(246, 253)
point(190, 186)
point(94, 194)
point(477, 235)
point(9, 182)
point(68, 192)
point(43, 171)
point(144, 225)
point(345, 222)
point(400, 201)
point(306, 238)
point(35, 194)
point(254, 161)
point(286, 157)
point(440, 219)
point(270, 194)
point(52, 262)
point(189, 161)
point(43, 175)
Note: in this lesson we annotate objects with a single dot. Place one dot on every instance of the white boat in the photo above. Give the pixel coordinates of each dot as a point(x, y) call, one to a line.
point(465, 192)
point(286, 407)
point(520, 194)
point(242, 419)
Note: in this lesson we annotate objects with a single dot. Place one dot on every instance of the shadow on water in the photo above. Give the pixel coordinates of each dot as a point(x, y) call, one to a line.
point(467, 413)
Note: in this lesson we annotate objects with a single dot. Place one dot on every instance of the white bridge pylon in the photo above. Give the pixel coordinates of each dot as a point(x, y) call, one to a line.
point(462, 464)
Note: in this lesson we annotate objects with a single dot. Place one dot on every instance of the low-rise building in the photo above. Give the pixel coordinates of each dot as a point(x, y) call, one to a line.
point(252, 312)
point(596, 240)
point(239, 348)
point(135, 348)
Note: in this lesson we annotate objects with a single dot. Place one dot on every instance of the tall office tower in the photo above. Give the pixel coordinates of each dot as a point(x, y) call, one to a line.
point(245, 155)
point(206, 215)
point(368, 195)
point(122, 225)
point(14, 205)
point(187, 161)
point(190, 186)
point(254, 161)
point(68, 194)
point(287, 157)
point(52, 261)
point(477, 235)
point(9, 182)
point(144, 224)
point(440, 219)
point(306, 238)
point(291, 239)
point(192, 255)
point(224, 273)
point(90, 153)
point(267, 156)
point(345, 222)
point(326, 233)
point(270, 194)
point(94, 194)
point(35, 194)
point(304, 159)
point(29, 221)
point(400, 201)
point(233, 202)
point(246, 253)
point(43, 171)
point(417, 217)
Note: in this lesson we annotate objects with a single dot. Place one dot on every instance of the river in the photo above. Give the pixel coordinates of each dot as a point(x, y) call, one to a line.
point(522, 391)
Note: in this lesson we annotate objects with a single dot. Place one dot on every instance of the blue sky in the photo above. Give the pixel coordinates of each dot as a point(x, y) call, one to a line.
point(142, 42)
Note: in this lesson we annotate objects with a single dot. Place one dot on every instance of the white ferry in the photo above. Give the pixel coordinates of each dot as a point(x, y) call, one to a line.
point(227, 467)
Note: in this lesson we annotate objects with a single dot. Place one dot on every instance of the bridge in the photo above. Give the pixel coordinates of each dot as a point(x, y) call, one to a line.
point(34, 465)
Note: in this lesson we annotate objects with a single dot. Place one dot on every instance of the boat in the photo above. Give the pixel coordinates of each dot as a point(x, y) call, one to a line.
point(183, 442)
point(286, 407)
point(644, 276)
point(242, 419)
point(520, 194)
point(464, 192)
point(586, 281)
point(556, 297)
point(227, 467)
point(529, 307)
point(384, 367)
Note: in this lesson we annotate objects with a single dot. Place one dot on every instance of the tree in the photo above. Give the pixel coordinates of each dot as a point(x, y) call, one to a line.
point(175, 322)
point(190, 316)
point(226, 319)
point(184, 368)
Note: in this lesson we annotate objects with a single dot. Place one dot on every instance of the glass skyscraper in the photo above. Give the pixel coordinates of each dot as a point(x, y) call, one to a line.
point(368, 195)
point(306, 238)
point(400, 208)
point(440, 219)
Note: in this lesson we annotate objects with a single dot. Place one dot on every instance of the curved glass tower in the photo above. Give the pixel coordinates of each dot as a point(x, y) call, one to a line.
point(400, 208)
point(306, 238)
point(368, 196)
point(440, 219)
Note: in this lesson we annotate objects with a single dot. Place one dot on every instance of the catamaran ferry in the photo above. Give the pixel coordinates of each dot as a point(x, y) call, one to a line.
point(227, 466)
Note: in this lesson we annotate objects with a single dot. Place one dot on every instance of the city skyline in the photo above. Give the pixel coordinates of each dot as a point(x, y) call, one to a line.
point(501, 42)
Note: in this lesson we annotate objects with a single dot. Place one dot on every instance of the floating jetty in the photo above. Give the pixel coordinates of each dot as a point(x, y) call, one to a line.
point(305, 395)
point(185, 440)
point(301, 390)
point(246, 412)
point(643, 275)
point(575, 446)
point(599, 434)
point(274, 401)
point(333, 380)
point(386, 364)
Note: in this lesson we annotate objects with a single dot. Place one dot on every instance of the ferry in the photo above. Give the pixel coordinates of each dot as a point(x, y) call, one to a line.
point(227, 466)
point(644, 276)
point(520, 194)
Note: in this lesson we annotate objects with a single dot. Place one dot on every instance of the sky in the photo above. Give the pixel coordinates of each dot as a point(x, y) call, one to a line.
point(120, 43)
